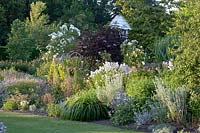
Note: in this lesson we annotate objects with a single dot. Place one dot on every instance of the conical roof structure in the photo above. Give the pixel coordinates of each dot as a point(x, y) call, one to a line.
point(120, 22)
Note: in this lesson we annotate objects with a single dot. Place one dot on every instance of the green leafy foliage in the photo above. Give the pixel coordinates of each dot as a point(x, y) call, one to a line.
point(3, 29)
point(163, 48)
point(20, 66)
point(55, 8)
point(67, 76)
point(43, 69)
point(10, 104)
point(79, 14)
point(123, 116)
point(20, 46)
point(85, 106)
point(148, 20)
point(87, 14)
point(194, 107)
point(173, 99)
point(37, 25)
point(123, 108)
point(53, 110)
point(132, 54)
point(29, 38)
point(140, 85)
point(4, 54)
point(1, 77)
point(187, 61)
point(9, 11)
point(24, 87)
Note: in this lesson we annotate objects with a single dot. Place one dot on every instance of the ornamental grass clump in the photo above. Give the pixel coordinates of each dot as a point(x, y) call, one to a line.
point(173, 99)
point(85, 106)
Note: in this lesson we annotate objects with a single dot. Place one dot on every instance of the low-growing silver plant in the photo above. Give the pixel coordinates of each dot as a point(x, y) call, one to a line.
point(2, 128)
point(143, 117)
point(162, 128)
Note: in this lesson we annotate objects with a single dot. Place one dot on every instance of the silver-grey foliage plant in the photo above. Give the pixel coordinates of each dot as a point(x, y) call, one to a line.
point(2, 128)
point(173, 99)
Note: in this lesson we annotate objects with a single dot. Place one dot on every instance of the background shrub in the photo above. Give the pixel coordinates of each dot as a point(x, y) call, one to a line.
point(4, 54)
point(85, 106)
point(187, 61)
point(21, 46)
point(20, 66)
point(140, 85)
point(106, 40)
point(163, 47)
point(133, 55)
point(24, 87)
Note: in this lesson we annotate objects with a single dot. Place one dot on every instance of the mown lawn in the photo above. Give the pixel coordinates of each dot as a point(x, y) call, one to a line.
point(23, 123)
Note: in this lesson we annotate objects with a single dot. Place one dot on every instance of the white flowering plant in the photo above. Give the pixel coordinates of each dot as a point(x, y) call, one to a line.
point(24, 105)
point(108, 79)
point(32, 108)
point(133, 54)
point(62, 41)
point(168, 64)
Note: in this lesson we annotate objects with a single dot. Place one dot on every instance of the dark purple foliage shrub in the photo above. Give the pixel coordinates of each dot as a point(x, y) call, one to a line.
point(106, 40)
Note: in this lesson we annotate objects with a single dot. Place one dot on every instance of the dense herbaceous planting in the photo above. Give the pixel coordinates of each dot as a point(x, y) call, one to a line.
point(99, 65)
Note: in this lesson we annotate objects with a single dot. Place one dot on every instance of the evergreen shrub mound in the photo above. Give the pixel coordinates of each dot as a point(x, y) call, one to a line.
point(140, 85)
point(20, 66)
point(53, 110)
point(85, 106)
point(24, 87)
point(10, 104)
